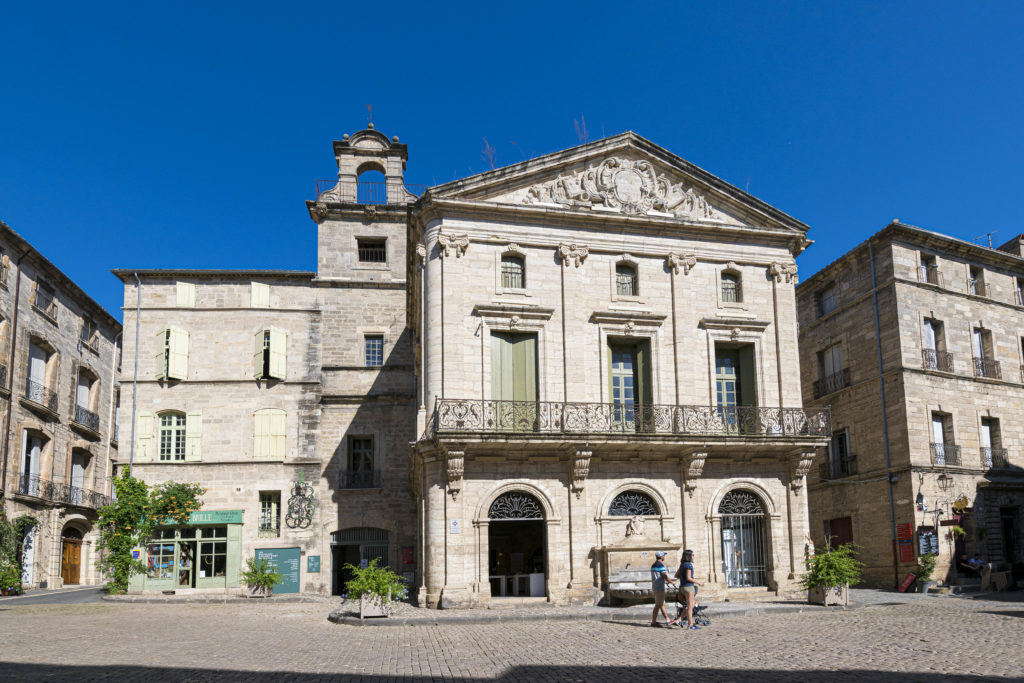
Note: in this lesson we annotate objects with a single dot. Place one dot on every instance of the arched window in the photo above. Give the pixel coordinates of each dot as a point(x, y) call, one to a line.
point(513, 272)
point(515, 505)
point(172, 436)
point(626, 280)
point(632, 503)
point(371, 187)
point(732, 291)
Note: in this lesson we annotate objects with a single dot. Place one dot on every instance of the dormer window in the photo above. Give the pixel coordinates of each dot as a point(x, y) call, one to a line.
point(513, 272)
point(626, 280)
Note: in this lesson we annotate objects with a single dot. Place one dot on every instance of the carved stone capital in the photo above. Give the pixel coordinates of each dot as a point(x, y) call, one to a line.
point(421, 255)
point(574, 253)
point(448, 244)
point(783, 272)
point(799, 466)
point(676, 261)
point(455, 463)
point(579, 465)
point(693, 467)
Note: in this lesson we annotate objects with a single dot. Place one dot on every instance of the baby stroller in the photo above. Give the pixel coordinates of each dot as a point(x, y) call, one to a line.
point(699, 618)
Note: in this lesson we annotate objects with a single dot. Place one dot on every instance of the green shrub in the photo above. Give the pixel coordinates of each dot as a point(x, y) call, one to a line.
point(833, 568)
point(260, 575)
point(374, 580)
point(10, 576)
point(924, 567)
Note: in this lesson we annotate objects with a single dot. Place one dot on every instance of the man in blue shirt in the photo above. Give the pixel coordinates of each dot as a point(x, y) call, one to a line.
point(659, 577)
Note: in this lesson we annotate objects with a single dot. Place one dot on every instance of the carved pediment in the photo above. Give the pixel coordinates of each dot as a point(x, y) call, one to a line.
point(631, 186)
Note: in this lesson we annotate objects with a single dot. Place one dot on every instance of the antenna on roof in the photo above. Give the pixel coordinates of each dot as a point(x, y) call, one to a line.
point(988, 235)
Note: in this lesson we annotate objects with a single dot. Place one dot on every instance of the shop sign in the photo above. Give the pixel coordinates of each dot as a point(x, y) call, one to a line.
point(215, 517)
point(906, 551)
point(312, 564)
point(905, 532)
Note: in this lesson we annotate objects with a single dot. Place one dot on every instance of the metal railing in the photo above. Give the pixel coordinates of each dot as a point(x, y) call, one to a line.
point(845, 467)
point(360, 479)
point(945, 454)
point(930, 274)
point(977, 288)
point(994, 458)
point(34, 485)
point(87, 418)
point(367, 192)
point(832, 383)
point(986, 367)
point(936, 360)
point(37, 393)
point(542, 417)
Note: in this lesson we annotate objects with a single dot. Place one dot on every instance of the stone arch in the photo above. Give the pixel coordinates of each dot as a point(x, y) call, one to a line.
point(371, 165)
point(525, 487)
point(659, 500)
point(716, 498)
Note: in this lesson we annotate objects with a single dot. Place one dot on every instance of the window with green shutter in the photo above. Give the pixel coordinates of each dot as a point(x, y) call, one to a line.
point(514, 380)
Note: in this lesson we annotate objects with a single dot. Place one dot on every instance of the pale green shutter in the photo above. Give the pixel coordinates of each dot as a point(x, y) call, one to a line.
point(144, 437)
point(161, 355)
point(643, 393)
point(257, 355)
point(524, 367)
point(177, 358)
point(747, 387)
point(278, 442)
point(260, 295)
point(234, 558)
point(185, 294)
point(194, 436)
point(259, 435)
point(502, 384)
point(278, 352)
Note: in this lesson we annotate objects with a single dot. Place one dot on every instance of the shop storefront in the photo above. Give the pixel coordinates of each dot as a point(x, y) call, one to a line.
point(206, 553)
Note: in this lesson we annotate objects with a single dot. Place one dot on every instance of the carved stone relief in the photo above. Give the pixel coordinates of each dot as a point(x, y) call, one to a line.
point(631, 186)
point(574, 253)
point(455, 461)
point(421, 254)
point(783, 272)
point(580, 465)
point(799, 466)
point(676, 261)
point(452, 243)
point(693, 467)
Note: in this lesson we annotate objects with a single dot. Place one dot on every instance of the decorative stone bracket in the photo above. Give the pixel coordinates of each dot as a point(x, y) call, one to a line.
point(573, 252)
point(783, 272)
point(455, 463)
point(452, 243)
point(799, 466)
point(676, 261)
point(579, 466)
point(421, 255)
point(693, 467)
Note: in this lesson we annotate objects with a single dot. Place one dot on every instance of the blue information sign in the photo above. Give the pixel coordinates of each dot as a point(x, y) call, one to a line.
point(285, 562)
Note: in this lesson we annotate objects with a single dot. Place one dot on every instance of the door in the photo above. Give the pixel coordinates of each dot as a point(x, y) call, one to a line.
point(33, 449)
point(938, 439)
point(514, 381)
point(71, 560)
point(630, 386)
point(78, 463)
point(743, 539)
point(186, 565)
point(37, 366)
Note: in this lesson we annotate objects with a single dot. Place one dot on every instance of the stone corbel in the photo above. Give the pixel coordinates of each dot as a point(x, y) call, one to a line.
point(452, 243)
point(579, 464)
point(455, 463)
point(574, 253)
point(421, 255)
point(693, 467)
point(783, 272)
point(799, 466)
point(676, 261)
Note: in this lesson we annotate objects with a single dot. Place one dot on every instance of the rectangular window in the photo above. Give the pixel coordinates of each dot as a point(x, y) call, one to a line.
point(512, 273)
point(827, 300)
point(838, 531)
point(944, 450)
point(213, 551)
point(88, 331)
point(269, 434)
point(172, 359)
point(360, 472)
point(172, 437)
point(374, 350)
point(976, 281)
point(514, 380)
point(270, 514)
point(832, 376)
point(185, 294)
point(5, 268)
point(929, 270)
point(626, 280)
point(372, 250)
point(44, 300)
point(933, 347)
point(259, 295)
point(269, 358)
point(1018, 285)
point(984, 363)
point(840, 460)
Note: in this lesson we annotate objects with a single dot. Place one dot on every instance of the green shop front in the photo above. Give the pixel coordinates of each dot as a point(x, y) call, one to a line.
point(206, 553)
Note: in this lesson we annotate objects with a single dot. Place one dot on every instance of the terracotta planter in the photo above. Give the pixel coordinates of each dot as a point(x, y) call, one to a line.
point(834, 595)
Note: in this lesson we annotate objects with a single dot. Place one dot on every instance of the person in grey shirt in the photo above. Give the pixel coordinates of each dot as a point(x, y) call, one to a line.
point(659, 577)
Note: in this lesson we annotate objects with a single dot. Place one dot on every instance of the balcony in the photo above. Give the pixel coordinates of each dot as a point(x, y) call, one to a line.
point(832, 383)
point(87, 419)
point(930, 274)
point(944, 454)
point(977, 288)
point(936, 360)
point(41, 396)
point(360, 479)
point(365, 192)
point(845, 467)
point(460, 416)
point(994, 458)
point(986, 367)
point(36, 486)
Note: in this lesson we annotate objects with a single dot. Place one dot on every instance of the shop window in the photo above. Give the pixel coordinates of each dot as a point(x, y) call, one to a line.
point(213, 551)
point(269, 360)
point(161, 552)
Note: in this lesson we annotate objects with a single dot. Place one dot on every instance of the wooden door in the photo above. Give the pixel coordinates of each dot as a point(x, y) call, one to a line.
point(71, 561)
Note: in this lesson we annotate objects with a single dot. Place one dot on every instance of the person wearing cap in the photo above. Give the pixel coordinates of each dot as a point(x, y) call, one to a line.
point(659, 577)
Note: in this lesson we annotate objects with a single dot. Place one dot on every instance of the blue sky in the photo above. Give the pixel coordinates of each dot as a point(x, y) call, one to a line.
point(148, 136)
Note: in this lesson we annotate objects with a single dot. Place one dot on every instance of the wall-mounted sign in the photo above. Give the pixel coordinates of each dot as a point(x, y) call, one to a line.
point(312, 564)
point(904, 532)
point(408, 555)
point(454, 526)
point(285, 561)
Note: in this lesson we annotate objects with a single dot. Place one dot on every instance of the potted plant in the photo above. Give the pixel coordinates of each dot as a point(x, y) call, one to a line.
point(10, 578)
point(377, 589)
point(923, 572)
point(830, 575)
point(260, 577)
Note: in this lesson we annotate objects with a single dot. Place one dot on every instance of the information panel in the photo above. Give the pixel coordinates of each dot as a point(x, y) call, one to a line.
point(286, 562)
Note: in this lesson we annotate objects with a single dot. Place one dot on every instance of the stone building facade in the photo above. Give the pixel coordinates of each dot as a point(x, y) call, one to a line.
point(518, 384)
point(914, 341)
point(58, 355)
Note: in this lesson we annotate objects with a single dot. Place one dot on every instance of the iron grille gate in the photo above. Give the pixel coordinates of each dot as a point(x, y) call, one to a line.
point(356, 545)
point(743, 547)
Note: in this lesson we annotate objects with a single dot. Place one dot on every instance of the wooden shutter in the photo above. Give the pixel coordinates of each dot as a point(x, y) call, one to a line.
point(257, 354)
point(194, 436)
point(278, 353)
point(144, 437)
point(259, 296)
point(186, 294)
point(524, 368)
point(747, 378)
point(260, 435)
point(644, 393)
point(177, 357)
point(278, 442)
point(501, 368)
point(161, 354)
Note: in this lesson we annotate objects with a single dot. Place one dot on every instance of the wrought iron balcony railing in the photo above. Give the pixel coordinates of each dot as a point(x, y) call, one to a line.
point(977, 288)
point(936, 360)
point(37, 393)
point(832, 383)
point(87, 418)
point(360, 479)
point(34, 485)
point(994, 458)
point(367, 192)
point(542, 417)
point(986, 367)
point(930, 274)
point(945, 454)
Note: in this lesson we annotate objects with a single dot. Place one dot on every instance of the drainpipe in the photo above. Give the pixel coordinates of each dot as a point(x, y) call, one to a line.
point(111, 422)
point(885, 420)
point(10, 375)
point(135, 375)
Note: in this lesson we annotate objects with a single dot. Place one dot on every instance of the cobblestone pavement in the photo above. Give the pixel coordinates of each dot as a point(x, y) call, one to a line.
point(930, 639)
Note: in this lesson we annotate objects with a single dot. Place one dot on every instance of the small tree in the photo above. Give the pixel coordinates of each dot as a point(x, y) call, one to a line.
point(129, 521)
point(838, 567)
point(376, 581)
point(924, 567)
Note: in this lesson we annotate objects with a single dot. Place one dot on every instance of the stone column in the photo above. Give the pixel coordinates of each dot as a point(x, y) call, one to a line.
point(435, 546)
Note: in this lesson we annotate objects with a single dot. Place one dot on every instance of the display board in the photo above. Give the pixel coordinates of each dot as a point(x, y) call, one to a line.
point(286, 562)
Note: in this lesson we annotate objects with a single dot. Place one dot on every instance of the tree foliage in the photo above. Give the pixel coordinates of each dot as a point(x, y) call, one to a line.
point(130, 519)
point(12, 536)
point(373, 580)
point(832, 568)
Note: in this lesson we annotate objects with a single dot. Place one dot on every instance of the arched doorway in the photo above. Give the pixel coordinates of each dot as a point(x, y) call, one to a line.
point(517, 539)
point(71, 556)
point(357, 546)
point(743, 539)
